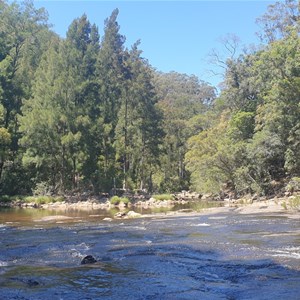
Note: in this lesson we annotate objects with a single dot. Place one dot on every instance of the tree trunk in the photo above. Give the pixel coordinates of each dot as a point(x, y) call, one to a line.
point(125, 144)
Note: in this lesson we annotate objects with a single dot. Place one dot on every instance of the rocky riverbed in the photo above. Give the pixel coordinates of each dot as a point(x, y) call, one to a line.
point(217, 253)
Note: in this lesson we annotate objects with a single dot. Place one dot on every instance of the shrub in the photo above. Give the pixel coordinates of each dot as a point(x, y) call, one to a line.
point(38, 200)
point(115, 200)
point(7, 198)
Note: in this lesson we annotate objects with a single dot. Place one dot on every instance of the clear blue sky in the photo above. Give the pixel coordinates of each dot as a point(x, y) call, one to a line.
point(175, 35)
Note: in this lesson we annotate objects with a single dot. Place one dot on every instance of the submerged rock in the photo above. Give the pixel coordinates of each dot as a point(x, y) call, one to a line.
point(133, 214)
point(32, 283)
point(54, 218)
point(89, 259)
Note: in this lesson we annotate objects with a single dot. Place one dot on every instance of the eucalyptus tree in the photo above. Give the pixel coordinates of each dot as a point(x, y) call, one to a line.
point(279, 19)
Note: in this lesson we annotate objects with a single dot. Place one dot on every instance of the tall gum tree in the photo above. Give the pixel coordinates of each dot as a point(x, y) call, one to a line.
point(138, 130)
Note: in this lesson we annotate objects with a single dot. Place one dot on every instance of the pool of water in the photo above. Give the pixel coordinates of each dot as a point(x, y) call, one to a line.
point(190, 256)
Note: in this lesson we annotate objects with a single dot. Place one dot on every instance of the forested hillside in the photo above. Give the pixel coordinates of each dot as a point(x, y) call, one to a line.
point(85, 113)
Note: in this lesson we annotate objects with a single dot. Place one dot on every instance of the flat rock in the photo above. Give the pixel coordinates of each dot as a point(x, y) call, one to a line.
point(133, 214)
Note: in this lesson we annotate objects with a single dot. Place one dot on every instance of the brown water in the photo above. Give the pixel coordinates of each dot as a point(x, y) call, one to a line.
point(221, 256)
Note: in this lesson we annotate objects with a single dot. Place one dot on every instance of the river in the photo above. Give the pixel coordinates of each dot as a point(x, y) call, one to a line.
point(224, 255)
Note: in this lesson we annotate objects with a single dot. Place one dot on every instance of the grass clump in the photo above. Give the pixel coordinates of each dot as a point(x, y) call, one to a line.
point(162, 197)
point(39, 200)
point(116, 200)
point(294, 202)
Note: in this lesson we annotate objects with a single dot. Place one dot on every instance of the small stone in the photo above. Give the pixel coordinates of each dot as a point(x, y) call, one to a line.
point(120, 215)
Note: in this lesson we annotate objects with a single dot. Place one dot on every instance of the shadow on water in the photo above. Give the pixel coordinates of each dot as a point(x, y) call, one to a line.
point(159, 272)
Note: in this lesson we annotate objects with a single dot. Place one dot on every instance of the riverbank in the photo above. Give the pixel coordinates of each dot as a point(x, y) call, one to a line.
point(277, 205)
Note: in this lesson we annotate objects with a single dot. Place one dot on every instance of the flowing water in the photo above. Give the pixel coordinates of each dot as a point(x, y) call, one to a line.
point(190, 256)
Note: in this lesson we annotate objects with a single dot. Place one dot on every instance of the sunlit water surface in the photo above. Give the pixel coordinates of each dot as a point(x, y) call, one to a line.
point(190, 256)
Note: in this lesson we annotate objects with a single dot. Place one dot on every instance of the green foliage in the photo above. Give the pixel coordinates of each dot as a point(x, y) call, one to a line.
point(116, 200)
point(5, 142)
point(161, 197)
point(42, 189)
point(242, 126)
point(5, 138)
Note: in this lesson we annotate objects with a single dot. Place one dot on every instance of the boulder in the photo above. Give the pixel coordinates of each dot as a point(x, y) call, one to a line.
point(89, 259)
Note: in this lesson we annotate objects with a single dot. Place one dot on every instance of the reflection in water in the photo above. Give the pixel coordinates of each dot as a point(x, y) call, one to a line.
point(224, 256)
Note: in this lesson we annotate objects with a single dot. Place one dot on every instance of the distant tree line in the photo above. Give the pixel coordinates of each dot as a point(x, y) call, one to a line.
point(85, 113)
